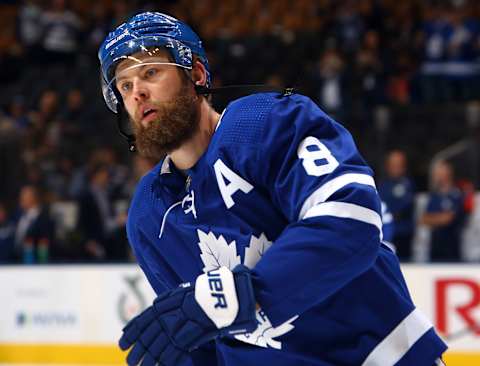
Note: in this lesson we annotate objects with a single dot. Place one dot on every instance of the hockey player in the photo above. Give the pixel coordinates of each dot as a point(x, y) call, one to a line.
point(259, 229)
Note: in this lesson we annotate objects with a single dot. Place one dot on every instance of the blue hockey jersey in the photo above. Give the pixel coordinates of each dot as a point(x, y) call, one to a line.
point(283, 190)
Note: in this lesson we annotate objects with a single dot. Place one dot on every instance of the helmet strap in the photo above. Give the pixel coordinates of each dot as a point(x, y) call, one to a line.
point(122, 119)
point(244, 89)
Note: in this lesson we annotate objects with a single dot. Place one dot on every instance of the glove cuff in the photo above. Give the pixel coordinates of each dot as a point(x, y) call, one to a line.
point(246, 320)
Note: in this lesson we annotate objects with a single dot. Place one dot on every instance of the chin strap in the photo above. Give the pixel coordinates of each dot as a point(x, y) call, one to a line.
point(121, 118)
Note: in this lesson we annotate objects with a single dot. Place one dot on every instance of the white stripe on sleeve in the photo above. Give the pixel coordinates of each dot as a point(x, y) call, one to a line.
point(329, 188)
point(389, 351)
point(347, 211)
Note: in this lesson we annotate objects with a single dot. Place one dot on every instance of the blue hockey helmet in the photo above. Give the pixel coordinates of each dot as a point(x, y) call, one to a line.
point(142, 33)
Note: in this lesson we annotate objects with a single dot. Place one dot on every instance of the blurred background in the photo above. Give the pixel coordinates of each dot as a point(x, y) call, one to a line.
point(402, 76)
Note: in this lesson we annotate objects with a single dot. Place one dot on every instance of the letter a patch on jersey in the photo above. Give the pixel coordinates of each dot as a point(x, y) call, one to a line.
point(236, 183)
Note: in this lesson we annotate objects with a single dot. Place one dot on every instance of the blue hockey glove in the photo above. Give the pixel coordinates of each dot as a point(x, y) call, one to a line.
point(221, 303)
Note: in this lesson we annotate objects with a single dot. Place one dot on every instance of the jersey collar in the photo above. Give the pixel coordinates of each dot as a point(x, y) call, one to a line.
point(165, 168)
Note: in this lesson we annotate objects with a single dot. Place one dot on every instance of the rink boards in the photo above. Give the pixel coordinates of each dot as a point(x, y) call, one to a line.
point(73, 315)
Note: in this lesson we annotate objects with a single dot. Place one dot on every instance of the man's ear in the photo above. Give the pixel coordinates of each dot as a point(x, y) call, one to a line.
point(199, 73)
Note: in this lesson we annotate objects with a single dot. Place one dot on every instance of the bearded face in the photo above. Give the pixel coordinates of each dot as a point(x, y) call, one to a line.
point(176, 122)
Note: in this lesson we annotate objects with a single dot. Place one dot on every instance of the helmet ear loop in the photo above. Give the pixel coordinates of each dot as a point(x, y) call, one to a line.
point(199, 89)
point(122, 117)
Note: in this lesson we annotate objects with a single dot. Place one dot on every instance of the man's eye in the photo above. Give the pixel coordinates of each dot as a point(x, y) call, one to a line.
point(150, 72)
point(126, 86)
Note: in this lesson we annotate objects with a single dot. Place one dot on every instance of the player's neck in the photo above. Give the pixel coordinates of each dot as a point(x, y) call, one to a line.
point(188, 154)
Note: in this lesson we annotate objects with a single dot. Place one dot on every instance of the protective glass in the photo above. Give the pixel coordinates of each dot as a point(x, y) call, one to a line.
point(122, 82)
point(142, 52)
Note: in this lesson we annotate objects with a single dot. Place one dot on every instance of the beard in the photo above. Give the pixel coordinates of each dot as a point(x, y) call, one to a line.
point(176, 122)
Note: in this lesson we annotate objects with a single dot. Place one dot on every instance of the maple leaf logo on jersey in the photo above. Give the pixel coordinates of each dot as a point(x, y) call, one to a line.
point(217, 252)
point(256, 250)
point(264, 335)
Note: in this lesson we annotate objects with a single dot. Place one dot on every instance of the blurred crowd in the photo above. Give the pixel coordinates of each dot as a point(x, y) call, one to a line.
point(447, 207)
point(58, 142)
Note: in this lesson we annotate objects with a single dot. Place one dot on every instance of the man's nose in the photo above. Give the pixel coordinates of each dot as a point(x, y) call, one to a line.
point(140, 90)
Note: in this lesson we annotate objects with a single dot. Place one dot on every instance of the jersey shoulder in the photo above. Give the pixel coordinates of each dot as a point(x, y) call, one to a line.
point(251, 119)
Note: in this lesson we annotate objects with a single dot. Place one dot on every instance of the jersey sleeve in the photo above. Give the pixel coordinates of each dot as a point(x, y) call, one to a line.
point(318, 180)
point(135, 238)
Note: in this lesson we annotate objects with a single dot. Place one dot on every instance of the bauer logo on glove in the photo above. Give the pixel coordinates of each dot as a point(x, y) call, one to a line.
point(216, 295)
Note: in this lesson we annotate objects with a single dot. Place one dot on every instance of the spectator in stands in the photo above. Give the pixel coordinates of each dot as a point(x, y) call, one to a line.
point(79, 182)
point(15, 120)
point(59, 178)
point(461, 68)
point(349, 26)
point(34, 234)
point(330, 80)
point(7, 236)
point(141, 166)
point(18, 113)
point(61, 32)
point(368, 75)
point(75, 103)
point(43, 134)
point(98, 26)
point(29, 28)
point(6, 125)
point(76, 121)
point(118, 172)
point(101, 227)
point(444, 214)
point(400, 80)
point(433, 46)
point(43, 117)
point(101, 156)
point(398, 192)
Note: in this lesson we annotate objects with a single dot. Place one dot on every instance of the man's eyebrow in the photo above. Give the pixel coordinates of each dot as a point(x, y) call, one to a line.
point(146, 62)
point(119, 80)
point(123, 76)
